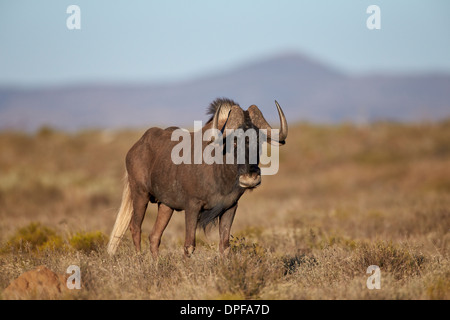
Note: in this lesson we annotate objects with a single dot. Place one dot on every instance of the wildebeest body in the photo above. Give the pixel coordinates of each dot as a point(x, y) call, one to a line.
point(183, 185)
point(206, 191)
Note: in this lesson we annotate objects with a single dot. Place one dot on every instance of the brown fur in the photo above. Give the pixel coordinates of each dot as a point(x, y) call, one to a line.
point(205, 192)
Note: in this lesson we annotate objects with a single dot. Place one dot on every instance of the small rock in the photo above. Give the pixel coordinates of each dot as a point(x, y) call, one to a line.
point(39, 283)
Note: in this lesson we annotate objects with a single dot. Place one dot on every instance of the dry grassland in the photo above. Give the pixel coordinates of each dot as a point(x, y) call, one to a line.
point(345, 198)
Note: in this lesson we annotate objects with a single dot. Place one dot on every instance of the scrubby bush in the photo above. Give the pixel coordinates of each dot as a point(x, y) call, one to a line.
point(292, 262)
point(34, 237)
point(246, 270)
point(88, 241)
point(439, 288)
point(399, 260)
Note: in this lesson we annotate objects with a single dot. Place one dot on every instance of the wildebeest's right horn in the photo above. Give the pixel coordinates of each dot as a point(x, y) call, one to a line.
point(258, 120)
point(283, 124)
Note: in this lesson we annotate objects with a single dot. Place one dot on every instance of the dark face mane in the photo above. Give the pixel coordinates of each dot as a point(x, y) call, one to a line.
point(249, 169)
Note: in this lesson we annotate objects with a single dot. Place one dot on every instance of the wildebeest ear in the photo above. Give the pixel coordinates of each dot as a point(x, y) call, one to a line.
point(257, 118)
point(235, 118)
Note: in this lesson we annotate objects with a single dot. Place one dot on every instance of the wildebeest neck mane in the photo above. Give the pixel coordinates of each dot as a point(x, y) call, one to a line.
point(210, 217)
point(226, 107)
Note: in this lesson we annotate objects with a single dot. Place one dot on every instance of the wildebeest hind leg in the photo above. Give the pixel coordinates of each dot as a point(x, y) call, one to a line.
point(162, 219)
point(140, 202)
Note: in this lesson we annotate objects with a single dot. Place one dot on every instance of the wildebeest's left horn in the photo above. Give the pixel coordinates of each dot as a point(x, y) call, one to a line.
point(258, 120)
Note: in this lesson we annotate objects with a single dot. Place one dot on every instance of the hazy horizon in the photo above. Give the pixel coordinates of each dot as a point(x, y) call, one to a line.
point(143, 42)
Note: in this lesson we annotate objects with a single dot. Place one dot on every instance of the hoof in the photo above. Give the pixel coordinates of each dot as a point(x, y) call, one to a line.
point(188, 251)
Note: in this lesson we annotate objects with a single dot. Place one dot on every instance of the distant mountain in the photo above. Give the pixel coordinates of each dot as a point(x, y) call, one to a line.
point(306, 89)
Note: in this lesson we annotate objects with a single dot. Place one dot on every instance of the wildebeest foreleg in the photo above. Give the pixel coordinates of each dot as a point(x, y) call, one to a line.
point(191, 219)
point(162, 219)
point(225, 222)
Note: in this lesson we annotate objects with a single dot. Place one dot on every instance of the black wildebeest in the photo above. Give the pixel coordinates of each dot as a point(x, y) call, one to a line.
point(206, 192)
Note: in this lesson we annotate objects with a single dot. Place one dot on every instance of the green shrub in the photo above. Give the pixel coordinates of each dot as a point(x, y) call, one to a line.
point(34, 237)
point(88, 241)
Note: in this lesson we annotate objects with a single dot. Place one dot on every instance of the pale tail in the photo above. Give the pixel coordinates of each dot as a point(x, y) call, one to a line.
point(123, 219)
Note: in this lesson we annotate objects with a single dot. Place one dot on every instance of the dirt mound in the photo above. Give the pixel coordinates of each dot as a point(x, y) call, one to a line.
point(39, 283)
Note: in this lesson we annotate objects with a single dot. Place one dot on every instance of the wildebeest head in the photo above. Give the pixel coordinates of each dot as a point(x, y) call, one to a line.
point(246, 128)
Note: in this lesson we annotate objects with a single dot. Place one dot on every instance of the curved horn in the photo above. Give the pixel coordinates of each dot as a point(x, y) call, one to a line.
point(258, 119)
point(283, 123)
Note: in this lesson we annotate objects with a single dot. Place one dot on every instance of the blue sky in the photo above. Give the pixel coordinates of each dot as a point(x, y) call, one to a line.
point(152, 41)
